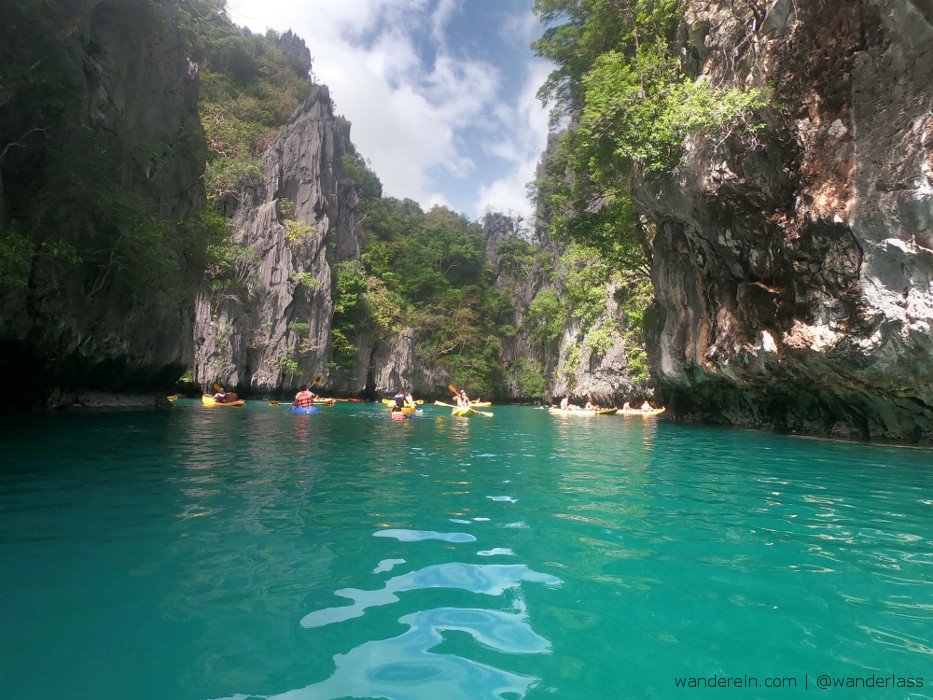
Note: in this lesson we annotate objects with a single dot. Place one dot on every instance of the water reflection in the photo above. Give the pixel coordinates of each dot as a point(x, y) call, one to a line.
point(485, 579)
point(404, 668)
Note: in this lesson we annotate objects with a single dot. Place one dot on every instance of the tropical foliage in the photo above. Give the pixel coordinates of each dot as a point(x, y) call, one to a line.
point(421, 273)
point(250, 86)
point(619, 83)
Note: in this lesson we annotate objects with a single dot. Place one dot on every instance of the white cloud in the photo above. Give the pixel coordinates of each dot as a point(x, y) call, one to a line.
point(521, 142)
point(416, 108)
point(445, 11)
point(520, 29)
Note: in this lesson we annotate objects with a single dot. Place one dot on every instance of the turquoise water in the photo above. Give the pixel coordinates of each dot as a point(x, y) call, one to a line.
point(246, 553)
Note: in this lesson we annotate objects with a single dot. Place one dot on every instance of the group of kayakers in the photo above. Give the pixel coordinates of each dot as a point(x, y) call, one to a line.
point(305, 398)
point(565, 405)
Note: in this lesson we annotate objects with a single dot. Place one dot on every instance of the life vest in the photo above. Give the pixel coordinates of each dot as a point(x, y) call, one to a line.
point(304, 399)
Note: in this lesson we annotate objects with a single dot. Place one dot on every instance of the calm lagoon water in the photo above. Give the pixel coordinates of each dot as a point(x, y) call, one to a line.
point(250, 553)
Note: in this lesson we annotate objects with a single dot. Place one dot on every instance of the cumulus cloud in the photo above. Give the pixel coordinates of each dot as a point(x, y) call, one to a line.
point(412, 102)
point(520, 142)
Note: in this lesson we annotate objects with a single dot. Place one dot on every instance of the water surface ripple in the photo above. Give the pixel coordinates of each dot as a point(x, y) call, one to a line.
point(250, 553)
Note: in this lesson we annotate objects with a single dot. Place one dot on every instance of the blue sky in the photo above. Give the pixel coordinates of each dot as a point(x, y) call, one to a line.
point(441, 93)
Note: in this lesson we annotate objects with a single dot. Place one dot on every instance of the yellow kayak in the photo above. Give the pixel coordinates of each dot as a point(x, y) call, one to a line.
point(463, 412)
point(639, 412)
point(324, 402)
point(474, 404)
point(406, 410)
point(209, 401)
point(582, 411)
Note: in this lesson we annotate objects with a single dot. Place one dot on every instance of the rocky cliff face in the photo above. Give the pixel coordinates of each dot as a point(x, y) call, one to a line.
point(100, 157)
point(599, 372)
point(574, 363)
point(794, 269)
point(267, 328)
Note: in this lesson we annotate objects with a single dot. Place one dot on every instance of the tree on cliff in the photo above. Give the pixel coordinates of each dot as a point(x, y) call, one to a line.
point(618, 78)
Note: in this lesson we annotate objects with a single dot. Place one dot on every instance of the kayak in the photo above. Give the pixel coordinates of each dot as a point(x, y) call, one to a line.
point(325, 402)
point(639, 412)
point(408, 411)
point(481, 404)
point(582, 412)
point(172, 399)
point(390, 402)
point(209, 401)
point(303, 409)
point(463, 412)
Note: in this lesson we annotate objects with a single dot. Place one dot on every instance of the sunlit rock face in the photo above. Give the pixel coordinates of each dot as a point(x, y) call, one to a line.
point(270, 328)
point(793, 269)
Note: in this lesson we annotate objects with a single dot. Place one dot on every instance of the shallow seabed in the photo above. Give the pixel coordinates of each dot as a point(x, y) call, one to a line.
point(250, 553)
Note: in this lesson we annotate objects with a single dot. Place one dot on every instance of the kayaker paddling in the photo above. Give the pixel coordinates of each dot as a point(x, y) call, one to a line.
point(304, 398)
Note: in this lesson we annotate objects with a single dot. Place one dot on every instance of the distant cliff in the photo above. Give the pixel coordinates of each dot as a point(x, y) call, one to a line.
point(570, 331)
point(268, 325)
point(794, 269)
point(101, 155)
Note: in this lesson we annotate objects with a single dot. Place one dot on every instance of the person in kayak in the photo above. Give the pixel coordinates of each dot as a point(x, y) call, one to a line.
point(400, 399)
point(225, 396)
point(463, 401)
point(646, 407)
point(565, 404)
point(409, 399)
point(304, 398)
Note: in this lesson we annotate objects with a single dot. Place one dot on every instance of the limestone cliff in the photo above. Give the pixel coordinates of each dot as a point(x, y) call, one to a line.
point(585, 356)
point(268, 327)
point(101, 155)
point(794, 269)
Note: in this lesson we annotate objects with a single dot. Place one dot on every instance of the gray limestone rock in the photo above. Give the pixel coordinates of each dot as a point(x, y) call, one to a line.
point(794, 270)
point(270, 330)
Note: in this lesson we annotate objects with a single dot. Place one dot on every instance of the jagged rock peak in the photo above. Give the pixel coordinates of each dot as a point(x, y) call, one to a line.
point(274, 330)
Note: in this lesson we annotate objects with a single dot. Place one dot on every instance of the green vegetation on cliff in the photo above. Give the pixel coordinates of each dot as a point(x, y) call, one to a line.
point(421, 273)
point(618, 78)
point(250, 86)
point(103, 238)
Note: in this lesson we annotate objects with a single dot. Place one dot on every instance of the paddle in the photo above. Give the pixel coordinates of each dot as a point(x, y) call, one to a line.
point(488, 414)
point(319, 378)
